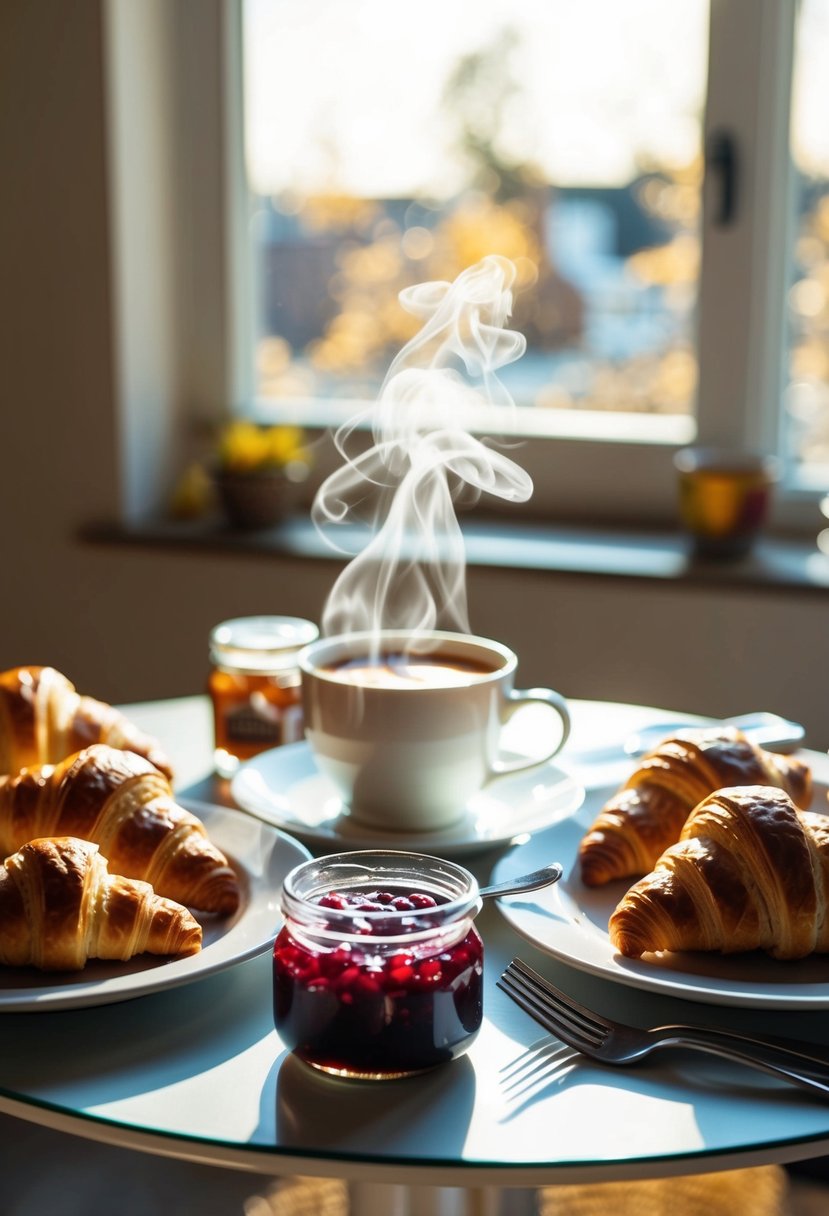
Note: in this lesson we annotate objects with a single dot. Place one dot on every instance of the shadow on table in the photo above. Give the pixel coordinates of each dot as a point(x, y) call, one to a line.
point(707, 1089)
point(422, 1119)
point(138, 1045)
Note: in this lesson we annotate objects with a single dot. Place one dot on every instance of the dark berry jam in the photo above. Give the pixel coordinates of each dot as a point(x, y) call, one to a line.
point(361, 1005)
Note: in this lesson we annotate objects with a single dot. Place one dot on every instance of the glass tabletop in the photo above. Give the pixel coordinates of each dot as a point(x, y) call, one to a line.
point(200, 1072)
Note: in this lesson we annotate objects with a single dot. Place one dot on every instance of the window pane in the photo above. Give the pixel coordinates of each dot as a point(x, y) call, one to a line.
point(807, 390)
point(387, 146)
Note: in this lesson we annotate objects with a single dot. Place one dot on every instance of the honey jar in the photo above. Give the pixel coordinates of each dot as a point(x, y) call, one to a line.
point(254, 684)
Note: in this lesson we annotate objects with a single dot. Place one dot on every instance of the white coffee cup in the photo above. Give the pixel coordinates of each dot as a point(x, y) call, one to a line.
point(408, 740)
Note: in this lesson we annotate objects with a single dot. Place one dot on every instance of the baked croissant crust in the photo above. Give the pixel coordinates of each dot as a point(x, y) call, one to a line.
point(647, 815)
point(750, 872)
point(126, 806)
point(60, 906)
point(44, 720)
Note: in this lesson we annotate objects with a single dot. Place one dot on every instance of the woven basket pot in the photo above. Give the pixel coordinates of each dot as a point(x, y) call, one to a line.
point(252, 500)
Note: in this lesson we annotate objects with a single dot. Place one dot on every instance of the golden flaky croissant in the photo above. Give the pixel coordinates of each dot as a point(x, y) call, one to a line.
point(44, 720)
point(750, 872)
point(124, 804)
point(648, 813)
point(60, 906)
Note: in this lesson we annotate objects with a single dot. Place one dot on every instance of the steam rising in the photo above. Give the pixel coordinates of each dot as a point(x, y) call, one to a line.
point(410, 573)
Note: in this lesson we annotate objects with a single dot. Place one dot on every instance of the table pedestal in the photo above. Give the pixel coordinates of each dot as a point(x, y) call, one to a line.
point(384, 1199)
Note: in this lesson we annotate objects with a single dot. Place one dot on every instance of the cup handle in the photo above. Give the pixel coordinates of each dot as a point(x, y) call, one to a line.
point(516, 698)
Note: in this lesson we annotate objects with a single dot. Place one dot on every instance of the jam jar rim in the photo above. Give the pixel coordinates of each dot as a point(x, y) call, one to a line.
point(336, 923)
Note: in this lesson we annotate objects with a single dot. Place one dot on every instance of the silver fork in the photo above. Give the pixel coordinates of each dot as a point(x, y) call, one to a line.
point(614, 1043)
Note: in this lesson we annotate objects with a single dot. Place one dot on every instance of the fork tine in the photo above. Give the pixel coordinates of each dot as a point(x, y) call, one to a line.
point(588, 1019)
point(547, 1017)
point(533, 1008)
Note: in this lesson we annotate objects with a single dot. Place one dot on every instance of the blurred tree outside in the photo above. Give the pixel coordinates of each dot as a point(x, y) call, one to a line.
point(504, 208)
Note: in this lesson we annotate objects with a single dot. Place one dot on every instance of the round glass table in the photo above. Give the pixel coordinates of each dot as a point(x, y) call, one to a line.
point(197, 1071)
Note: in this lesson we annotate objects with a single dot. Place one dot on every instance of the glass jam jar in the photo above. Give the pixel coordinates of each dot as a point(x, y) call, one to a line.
point(254, 684)
point(378, 969)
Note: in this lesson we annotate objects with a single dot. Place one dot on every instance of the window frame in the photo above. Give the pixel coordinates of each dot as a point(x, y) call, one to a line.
point(624, 478)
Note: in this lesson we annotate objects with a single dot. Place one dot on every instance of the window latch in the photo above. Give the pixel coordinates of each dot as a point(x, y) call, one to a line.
point(721, 169)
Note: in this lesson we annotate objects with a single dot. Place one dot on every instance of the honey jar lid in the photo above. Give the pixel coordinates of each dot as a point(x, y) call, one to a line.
point(260, 643)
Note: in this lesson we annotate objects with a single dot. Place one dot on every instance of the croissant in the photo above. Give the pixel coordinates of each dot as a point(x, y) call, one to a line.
point(749, 872)
point(647, 815)
point(60, 906)
point(43, 720)
point(124, 804)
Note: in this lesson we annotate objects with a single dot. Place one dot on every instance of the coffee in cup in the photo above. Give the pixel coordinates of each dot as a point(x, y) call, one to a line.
point(396, 669)
point(408, 725)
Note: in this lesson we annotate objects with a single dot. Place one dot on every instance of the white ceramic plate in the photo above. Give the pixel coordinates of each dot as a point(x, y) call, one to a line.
point(285, 788)
point(262, 858)
point(569, 921)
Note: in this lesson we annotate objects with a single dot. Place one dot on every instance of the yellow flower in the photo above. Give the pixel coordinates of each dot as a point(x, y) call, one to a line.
point(244, 446)
point(192, 495)
point(285, 444)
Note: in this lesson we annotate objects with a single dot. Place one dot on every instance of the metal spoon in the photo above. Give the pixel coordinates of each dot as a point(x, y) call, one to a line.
point(527, 882)
point(766, 730)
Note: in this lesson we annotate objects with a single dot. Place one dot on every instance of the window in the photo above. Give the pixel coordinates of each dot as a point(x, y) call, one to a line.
point(806, 396)
point(383, 151)
point(657, 313)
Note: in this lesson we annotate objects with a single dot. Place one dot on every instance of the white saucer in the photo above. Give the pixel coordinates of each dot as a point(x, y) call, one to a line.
point(285, 788)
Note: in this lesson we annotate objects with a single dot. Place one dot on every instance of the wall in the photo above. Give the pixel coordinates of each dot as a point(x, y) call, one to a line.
point(57, 436)
point(129, 624)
